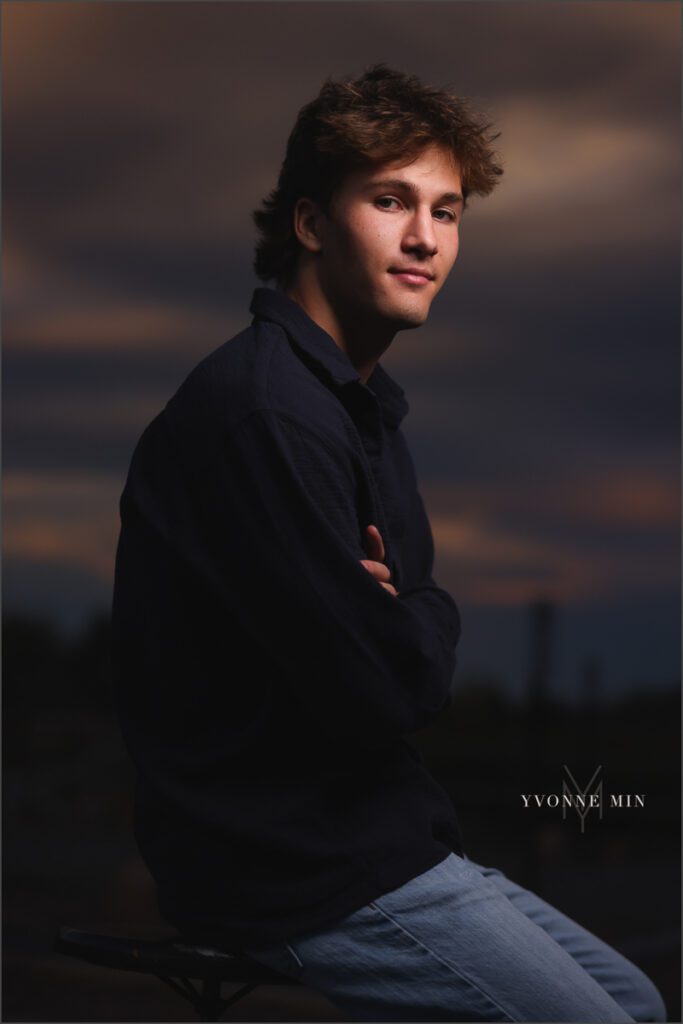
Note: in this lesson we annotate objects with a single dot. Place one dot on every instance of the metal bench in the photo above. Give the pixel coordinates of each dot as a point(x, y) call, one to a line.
point(175, 961)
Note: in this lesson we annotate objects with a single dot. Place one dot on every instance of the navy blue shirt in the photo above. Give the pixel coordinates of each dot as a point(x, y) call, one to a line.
point(266, 681)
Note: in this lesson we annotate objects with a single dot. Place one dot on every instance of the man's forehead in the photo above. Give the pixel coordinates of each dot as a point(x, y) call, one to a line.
point(433, 167)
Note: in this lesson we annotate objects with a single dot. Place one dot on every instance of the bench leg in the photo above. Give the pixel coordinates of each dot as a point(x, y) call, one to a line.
point(212, 1006)
point(208, 1003)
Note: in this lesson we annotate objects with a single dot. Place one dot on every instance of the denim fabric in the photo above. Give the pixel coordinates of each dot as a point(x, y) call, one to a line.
point(463, 942)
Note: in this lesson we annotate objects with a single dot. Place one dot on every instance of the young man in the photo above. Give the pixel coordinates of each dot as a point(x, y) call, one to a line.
point(279, 633)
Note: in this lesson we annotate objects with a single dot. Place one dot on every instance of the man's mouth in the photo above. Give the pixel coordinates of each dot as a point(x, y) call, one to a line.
point(412, 275)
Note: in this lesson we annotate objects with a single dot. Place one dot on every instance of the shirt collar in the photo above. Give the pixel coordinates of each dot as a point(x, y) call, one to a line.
point(269, 304)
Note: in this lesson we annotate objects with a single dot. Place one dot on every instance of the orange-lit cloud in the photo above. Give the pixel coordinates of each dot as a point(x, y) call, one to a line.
point(485, 564)
point(62, 519)
point(627, 496)
point(487, 550)
point(117, 326)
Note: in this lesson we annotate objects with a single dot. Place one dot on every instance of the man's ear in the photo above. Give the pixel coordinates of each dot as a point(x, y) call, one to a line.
point(308, 224)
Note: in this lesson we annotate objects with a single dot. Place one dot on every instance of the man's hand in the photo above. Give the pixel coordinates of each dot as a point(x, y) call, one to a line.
point(374, 546)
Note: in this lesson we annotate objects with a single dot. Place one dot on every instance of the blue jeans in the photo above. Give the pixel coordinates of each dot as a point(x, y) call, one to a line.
point(462, 942)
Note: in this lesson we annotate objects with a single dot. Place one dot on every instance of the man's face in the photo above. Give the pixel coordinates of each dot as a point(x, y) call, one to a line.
point(391, 239)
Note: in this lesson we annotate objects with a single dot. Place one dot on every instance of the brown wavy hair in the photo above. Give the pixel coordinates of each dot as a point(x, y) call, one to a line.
point(356, 122)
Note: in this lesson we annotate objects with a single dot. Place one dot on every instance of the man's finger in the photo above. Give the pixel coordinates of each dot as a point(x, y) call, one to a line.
point(377, 569)
point(374, 543)
point(388, 586)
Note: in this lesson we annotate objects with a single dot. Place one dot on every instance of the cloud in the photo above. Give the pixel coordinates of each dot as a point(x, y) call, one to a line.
point(628, 497)
point(68, 413)
point(114, 326)
point(578, 186)
point(62, 518)
point(489, 565)
point(578, 536)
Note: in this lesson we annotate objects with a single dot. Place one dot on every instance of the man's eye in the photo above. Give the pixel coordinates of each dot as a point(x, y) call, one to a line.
point(384, 202)
point(449, 215)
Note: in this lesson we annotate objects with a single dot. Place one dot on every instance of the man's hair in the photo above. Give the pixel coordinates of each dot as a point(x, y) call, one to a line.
point(381, 116)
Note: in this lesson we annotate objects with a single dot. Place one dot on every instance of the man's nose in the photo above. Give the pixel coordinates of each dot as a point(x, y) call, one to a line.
point(420, 234)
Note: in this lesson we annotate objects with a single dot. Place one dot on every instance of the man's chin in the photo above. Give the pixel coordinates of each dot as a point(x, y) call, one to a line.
point(400, 316)
point(406, 319)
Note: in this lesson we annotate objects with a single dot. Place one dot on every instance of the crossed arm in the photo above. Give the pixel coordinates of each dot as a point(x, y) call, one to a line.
point(275, 501)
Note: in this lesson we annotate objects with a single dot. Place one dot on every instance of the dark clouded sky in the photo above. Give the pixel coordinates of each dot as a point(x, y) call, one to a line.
point(545, 388)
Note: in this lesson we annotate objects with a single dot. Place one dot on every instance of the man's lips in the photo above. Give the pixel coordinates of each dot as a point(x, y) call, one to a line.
point(413, 275)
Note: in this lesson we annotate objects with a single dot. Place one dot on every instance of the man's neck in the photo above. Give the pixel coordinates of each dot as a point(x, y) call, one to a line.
point(364, 347)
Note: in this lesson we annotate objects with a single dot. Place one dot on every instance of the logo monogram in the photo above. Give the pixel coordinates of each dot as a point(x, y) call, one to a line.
point(580, 804)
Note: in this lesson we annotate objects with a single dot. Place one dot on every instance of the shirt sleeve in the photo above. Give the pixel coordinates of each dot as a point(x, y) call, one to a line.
point(277, 537)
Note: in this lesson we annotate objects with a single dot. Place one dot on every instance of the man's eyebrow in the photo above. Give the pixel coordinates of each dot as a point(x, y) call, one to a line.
point(407, 186)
